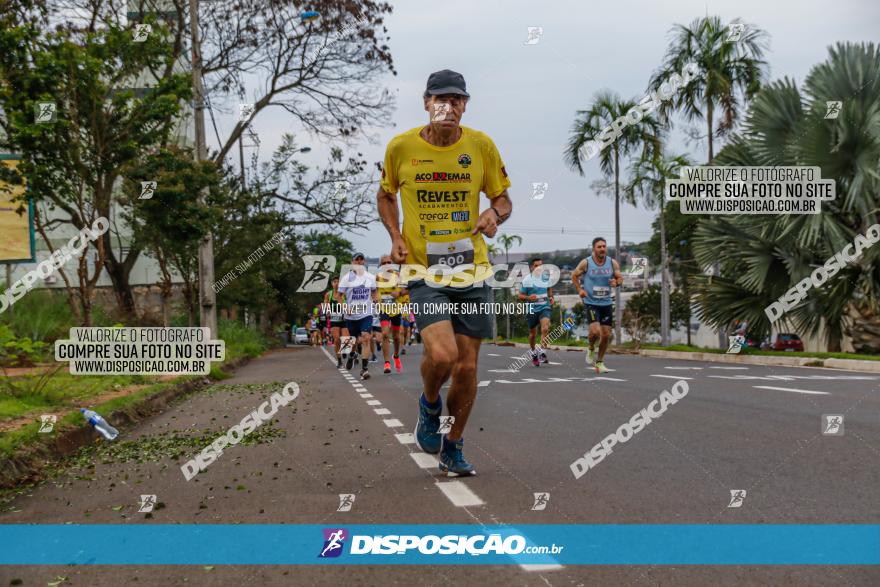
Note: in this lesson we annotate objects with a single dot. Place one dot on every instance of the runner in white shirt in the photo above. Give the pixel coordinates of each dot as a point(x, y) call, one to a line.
point(359, 289)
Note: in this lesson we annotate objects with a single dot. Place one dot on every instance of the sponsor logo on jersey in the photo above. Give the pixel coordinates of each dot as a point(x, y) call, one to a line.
point(440, 232)
point(416, 162)
point(462, 216)
point(464, 160)
point(428, 196)
point(443, 177)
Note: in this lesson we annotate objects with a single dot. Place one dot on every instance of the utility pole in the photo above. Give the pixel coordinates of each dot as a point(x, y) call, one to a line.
point(241, 160)
point(207, 297)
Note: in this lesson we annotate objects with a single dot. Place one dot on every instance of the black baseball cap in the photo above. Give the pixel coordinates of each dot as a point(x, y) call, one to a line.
point(446, 81)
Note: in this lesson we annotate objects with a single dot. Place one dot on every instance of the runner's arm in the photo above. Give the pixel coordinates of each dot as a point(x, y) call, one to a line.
point(576, 277)
point(498, 211)
point(386, 203)
point(618, 277)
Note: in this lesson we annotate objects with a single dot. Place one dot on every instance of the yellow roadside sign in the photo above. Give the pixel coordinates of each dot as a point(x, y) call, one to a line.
point(16, 219)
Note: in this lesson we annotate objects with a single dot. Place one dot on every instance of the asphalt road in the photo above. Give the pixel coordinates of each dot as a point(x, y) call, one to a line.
point(752, 428)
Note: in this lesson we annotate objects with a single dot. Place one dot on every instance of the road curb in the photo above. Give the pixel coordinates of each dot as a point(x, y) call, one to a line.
point(844, 364)
point(27, 464)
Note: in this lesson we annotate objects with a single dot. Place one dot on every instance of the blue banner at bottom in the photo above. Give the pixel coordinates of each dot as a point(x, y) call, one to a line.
point(276, 544)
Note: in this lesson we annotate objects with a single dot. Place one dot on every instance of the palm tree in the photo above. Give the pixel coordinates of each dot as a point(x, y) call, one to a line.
point(492, 250)
point(764, 256)
point(647, 182)
point(608, 107)
point(729, 73)
point(508, 241)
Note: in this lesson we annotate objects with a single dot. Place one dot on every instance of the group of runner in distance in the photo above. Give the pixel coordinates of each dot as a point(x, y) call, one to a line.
point(439, 170)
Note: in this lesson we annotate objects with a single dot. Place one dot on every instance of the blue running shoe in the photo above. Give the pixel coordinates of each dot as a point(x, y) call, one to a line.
point(426, 433)
point(452, 461)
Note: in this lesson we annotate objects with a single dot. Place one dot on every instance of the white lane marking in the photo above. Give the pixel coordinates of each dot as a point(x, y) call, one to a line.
point(382, 411)
point(673, 377)
point(359, 387)
point(547, 567)
point(501, 371)
point(459, 493)
point(366, 395)
point(484, 383)
point(393, 423)
point(552, 363)
point(792, 390)
point(493, 355)
point(563, 380)
point(732, 368)
point(794, 377)
point(374, 402)
point(405, 438)
point(685, 368)
point(424, 460)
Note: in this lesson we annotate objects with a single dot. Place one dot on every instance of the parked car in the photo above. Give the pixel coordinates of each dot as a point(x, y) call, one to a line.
point(301, 336)
point(784, 341)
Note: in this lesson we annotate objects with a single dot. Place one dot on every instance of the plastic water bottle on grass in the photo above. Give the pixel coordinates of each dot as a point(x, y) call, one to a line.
point(100, 424)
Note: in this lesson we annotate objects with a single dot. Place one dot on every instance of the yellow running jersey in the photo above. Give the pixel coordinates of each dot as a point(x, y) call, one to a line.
point(440, 192)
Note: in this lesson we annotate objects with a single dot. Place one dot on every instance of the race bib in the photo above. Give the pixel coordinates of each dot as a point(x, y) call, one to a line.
point(387, 299)
point(452, 254)
point(600, 291)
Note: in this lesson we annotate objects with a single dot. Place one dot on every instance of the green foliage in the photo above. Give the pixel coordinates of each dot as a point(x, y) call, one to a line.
point(641, 315)
point(767, 255)
point(19, 352)
point(240, 340)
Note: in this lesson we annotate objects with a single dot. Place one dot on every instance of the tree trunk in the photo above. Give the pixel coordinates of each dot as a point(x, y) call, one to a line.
point(664, 281)
point(165, 286)
point(120, 273)
point(709, 125)
point(507, 291)
point(617, 308)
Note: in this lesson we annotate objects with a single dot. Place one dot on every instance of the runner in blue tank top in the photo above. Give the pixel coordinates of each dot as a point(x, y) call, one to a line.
point(593, 279)
point(536, 290)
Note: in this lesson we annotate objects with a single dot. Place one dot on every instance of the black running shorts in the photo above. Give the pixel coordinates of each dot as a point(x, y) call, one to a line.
point(604, 315)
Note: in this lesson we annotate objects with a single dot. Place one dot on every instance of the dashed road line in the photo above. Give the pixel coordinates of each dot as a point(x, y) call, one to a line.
point(807, 391)
point(393, 423)
point(459, 493)
point(677, 377)
point(374, 402)
point(405, 438)
point(383, 411)
point(424, 460)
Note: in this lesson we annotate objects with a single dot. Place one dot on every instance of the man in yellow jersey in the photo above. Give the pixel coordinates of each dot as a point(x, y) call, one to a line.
point(440, 170)
point(390, 296)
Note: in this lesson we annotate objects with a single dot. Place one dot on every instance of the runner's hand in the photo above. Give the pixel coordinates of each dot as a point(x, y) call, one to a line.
point(487, 223)
point(398, 250)
point(533, 298)
point(582, 293)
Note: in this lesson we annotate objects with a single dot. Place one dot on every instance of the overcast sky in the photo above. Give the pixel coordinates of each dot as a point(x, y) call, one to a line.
point(526, 96)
